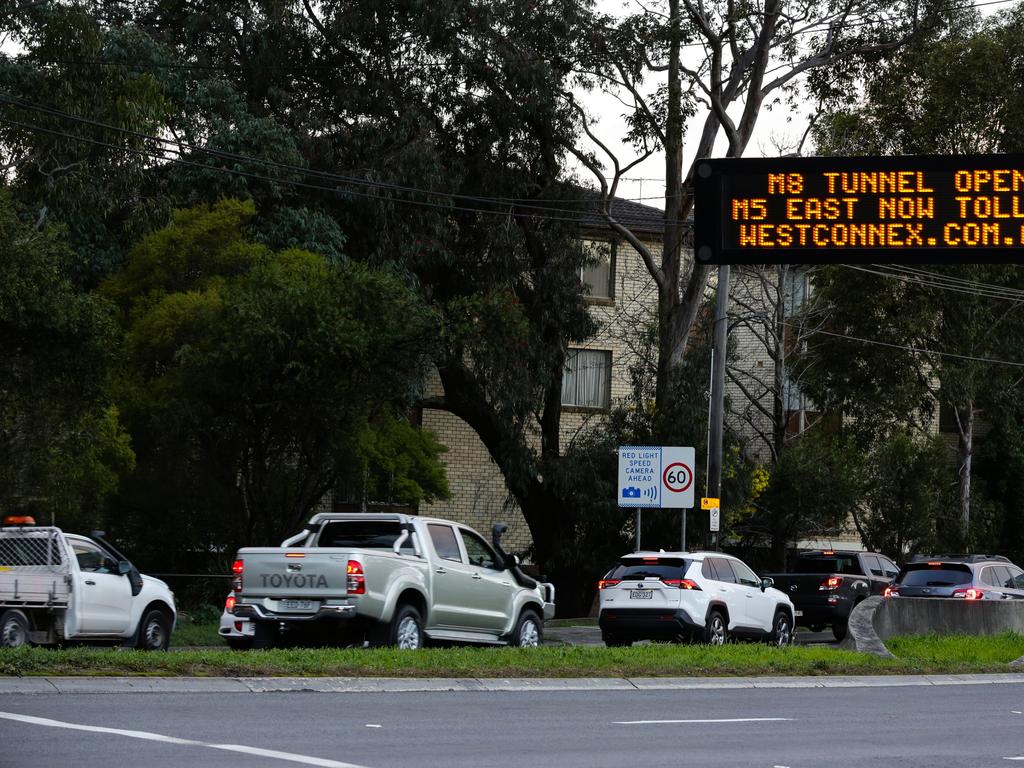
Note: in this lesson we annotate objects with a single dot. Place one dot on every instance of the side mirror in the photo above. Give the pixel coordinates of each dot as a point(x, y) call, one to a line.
point(766, 582)
point(124, 567)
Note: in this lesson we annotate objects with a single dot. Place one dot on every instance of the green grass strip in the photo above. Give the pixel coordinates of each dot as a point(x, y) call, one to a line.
point(965, 655)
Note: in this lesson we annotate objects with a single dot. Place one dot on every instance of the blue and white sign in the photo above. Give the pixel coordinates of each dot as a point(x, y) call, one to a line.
point(656, 477)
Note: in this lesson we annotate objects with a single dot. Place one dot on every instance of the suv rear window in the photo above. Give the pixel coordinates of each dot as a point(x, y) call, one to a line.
point(364, 534)
point(945, 575)
point(828, 564)
point(664, 568)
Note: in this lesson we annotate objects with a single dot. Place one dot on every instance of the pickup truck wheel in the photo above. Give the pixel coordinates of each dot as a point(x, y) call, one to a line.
point(782, 630)
point(13, 629)
point(154, 633)
point(839, 630)
point(406, 630)
point(529, 632)
point(716, 631)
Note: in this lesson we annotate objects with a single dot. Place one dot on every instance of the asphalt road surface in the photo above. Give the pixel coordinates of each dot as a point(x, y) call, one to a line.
point(974, 725)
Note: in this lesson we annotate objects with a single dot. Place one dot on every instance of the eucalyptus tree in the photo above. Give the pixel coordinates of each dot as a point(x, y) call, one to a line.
point(722, 64)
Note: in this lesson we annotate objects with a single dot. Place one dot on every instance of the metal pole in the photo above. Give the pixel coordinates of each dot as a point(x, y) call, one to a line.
point(637, 529)
point(718, 391)
point(683, 548)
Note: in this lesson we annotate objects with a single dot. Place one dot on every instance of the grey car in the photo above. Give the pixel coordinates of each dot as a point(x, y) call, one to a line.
point(967, 577)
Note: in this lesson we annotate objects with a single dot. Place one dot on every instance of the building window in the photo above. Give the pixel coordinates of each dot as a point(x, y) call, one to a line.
point(587, 380)
point(599, 272)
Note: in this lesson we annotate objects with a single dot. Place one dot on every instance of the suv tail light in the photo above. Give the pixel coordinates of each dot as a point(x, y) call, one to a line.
point(968, 594)
point(238, 569)
point(832, 582)
point(229, 604)
point(681, 583)
point(891, 591)
point(606, 583)
point(356, 580)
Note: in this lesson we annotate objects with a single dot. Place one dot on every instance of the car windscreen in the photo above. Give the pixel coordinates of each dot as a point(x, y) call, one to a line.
point(674, 568)
point(945, 575)
point(827, 564)
point(362, 534)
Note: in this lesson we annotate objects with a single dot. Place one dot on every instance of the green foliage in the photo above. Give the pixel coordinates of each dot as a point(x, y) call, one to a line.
point(84, 175)
point(812, 489)
point(62, 448)
point(256, 379)
point(906, 494)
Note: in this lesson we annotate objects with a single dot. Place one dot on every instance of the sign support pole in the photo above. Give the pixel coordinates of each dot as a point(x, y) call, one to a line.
point(638, 511)
point(718, 391)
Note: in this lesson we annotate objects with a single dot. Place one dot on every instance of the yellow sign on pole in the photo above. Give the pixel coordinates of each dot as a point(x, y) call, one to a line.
point(706, 503)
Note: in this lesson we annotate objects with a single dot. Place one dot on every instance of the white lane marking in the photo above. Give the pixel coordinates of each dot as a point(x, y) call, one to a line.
point(271, 753)
point(719, 720)
point(373, 725)
point(1016, 712)
point(1013, 758)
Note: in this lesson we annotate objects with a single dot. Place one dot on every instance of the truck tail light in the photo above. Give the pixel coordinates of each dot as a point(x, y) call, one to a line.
point(968, 594)
point(356, 580)
point(606, 583)
point(229, 604)
point(237, 568)
point(681, 583)
point(832, 582)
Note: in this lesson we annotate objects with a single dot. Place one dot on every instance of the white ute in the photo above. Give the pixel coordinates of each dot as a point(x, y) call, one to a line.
point(57, 587)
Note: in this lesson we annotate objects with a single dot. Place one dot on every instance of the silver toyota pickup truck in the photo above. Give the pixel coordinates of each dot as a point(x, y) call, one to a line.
point(391, 580)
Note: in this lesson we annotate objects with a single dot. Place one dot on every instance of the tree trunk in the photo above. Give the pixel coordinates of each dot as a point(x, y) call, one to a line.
point(671, 252)
point(779, 353)
point(964, 455)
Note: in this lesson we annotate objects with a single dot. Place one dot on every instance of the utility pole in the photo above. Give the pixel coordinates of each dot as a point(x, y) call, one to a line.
point(718, 391)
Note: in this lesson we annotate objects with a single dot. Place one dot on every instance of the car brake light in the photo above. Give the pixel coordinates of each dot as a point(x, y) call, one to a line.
point(934, 564)
point(968, 594)
point(237, 568)
point(828, 552)
point(681, 583)
point(605, 583)
point(229, 604)
point(891, 592)
point(356, 580)
point(832, 582)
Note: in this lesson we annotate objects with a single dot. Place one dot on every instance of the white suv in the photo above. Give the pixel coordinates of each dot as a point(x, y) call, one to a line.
point(708, 596)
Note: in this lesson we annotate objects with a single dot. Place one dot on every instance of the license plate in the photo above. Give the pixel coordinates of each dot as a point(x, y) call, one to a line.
point(799, 613)
point(641, 594)
point(296, 605)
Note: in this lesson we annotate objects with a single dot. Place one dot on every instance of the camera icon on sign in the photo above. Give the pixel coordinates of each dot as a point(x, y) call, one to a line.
point(631, 493)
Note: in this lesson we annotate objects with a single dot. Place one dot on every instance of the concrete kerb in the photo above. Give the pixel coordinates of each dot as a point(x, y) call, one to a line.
point(222, 685)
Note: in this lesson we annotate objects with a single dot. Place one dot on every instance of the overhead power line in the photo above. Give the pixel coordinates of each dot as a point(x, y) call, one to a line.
point(942, 282)
point(540, 208)
point(906, 347)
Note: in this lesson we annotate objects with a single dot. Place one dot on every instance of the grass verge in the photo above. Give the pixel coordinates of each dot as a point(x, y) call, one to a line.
point(917, 656)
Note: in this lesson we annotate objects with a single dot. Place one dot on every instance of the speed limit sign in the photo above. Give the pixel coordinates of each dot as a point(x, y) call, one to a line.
point(677, 477)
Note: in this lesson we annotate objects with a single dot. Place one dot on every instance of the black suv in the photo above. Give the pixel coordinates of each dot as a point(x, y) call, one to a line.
point(967, 577)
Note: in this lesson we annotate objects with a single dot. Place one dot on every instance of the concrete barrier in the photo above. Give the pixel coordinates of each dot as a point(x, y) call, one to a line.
point(875, 620)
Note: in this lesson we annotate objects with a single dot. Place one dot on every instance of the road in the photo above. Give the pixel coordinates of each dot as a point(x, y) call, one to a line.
point(860, 724)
